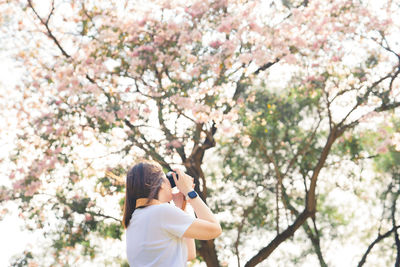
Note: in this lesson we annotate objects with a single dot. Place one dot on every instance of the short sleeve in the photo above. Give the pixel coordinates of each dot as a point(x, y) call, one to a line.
point(175, 221)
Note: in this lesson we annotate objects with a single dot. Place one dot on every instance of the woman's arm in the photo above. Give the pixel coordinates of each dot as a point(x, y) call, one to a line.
point(191, 246)
point(178, 201)
point(206, 226)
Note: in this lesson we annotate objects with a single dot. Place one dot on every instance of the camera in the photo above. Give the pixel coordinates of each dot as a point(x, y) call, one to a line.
point(171, 179)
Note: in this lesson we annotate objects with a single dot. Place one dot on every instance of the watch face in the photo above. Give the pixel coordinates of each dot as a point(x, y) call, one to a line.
point(192, 194)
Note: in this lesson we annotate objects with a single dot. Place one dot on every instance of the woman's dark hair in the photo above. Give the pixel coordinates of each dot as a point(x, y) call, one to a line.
point(142, 181)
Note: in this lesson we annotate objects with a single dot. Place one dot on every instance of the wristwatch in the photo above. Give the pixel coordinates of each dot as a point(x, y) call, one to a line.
point(192, 194)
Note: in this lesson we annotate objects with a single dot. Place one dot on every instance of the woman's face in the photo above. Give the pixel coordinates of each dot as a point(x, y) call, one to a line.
point(165, 193)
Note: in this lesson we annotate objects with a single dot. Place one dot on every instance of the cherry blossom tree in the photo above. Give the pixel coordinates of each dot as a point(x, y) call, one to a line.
point(107, 82)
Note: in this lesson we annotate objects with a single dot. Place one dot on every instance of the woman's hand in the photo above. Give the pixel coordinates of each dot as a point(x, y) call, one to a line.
point(184, 183)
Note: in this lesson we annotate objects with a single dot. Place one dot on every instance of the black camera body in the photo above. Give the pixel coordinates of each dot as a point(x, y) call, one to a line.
point(171, 179)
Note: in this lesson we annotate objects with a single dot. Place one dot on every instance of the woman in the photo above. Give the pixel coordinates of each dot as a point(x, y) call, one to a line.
point(158, 233)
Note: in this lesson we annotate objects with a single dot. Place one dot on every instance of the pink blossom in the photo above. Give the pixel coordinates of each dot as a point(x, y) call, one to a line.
point(290, 59)
point(159, 39)
point(147, 48)
point(92, 111)
point(227, 129)
point(135, 53)
point(89, 61)
point(58, 150)
point(32, 188)
point(88, 217)
point(251, 98)
point(133, 115)
point(62, 87)
point(191, 59)
point(229, 47)
point(5, 210)
point(90, 204)
point(231, 116)
point(142, 22)
point(245, 141)
point(225, 26)
point(383, 149)
point(195, 72)
point(311, 78)
point(197, 10)
point(216, 115)
point(60, 131)
point(299, 42)
point(4, 195)
point(246, 58)
point(183, 102)
point(316, 45)
point(261, 56)
point(18, 184)
point(92, 88)
point(49, 129)
point(35, 84)
point(196, 36)
point(201, 117)
point(215, 44)
point(255, 27)
point(109, 117)
point(121, 114)
point(174, 143)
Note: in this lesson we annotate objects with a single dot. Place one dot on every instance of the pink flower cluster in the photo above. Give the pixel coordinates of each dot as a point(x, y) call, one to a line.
point(174, 143)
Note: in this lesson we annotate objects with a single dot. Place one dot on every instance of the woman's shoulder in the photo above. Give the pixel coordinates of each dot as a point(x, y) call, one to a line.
point(169, 208)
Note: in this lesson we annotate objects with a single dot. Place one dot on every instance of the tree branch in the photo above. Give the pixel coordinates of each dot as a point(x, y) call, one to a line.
point(396, 234)
point(246, 213)
point(315, 240)
point(103, 216)
point(361, 99)
point(376, 241)
point(266, 66)
point(304, 149)
point(46, 25)
point(266, 251)
point(170, 137)
point(311, 201)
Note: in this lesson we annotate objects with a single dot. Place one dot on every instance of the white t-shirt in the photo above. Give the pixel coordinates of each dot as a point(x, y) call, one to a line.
point(154, 236)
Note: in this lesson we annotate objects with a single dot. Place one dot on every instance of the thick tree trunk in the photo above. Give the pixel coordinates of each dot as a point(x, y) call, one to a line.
point(208, 253)
point(193, 167)
point(207, 248)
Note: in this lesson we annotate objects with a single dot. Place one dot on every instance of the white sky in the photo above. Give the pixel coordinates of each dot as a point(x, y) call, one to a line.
point(13, 238)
